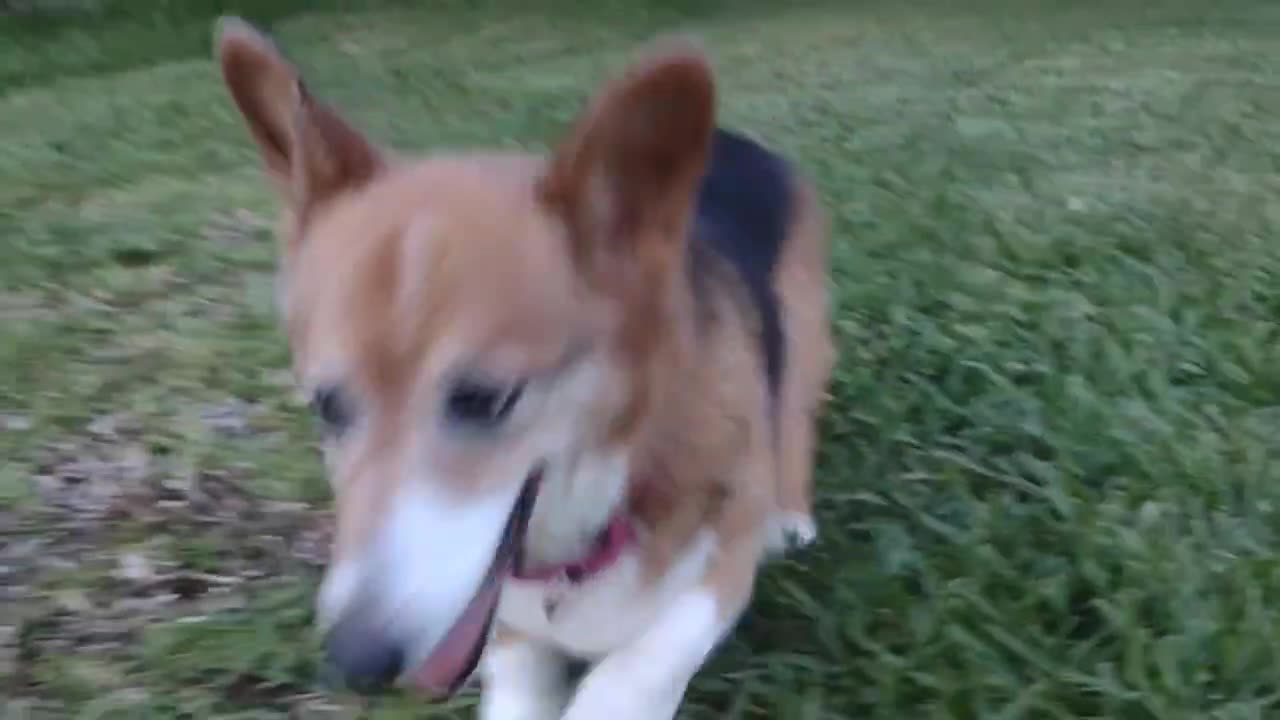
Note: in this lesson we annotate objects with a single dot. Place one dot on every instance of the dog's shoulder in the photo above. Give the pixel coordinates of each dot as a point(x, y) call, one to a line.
point(744, 211)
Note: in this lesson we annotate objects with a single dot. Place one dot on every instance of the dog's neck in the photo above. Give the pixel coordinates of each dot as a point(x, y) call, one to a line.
point(582, 492)
point(579, 496)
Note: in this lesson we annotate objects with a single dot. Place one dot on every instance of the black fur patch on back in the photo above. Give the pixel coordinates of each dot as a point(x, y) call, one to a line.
point(743, 214)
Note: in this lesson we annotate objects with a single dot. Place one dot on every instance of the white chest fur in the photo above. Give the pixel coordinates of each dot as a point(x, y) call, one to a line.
point(605, 612)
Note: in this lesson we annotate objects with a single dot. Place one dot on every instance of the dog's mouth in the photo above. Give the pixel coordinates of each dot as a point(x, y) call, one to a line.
point(455, 657)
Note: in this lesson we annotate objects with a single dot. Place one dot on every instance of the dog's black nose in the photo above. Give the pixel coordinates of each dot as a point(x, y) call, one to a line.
point(363, 654)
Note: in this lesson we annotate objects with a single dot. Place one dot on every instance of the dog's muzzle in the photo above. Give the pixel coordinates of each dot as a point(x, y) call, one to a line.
point(368, 654)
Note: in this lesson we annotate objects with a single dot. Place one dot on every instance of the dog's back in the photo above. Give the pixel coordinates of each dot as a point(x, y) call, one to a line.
point(756, 216)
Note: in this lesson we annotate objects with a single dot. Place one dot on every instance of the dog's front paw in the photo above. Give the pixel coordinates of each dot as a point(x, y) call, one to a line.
point(522, 682)
point(621, 706)
point(610, 696)
point(503, 704)
point(791, 531)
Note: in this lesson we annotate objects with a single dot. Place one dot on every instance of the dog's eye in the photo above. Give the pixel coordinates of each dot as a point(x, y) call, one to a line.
point(331, 404)
point(481, 404)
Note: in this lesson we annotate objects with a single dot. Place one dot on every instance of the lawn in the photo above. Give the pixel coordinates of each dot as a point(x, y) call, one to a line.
point(1050, 478)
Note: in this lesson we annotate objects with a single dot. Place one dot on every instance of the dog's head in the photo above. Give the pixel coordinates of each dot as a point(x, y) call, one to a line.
point(460, 320)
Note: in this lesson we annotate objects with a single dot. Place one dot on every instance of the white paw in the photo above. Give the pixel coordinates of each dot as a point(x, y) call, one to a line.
point(522, 682)
point(647, 680)
point(791, 531)
point(603, 698)
point(503, 704)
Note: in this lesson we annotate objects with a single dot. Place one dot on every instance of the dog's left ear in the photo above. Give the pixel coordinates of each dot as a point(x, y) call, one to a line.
point(626, 178)
point(310, 152)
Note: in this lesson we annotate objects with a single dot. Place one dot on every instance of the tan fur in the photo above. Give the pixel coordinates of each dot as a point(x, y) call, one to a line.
point(400, 273)
point(801, 285)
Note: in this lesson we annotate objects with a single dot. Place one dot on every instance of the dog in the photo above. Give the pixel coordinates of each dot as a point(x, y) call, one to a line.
point(569, 400)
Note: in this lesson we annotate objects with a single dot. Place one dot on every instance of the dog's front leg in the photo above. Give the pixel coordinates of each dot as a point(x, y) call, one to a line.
point(522, 680)
point(646, 680)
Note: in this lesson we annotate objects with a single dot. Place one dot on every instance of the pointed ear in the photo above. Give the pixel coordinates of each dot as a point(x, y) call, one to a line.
point(626, 178)
point(310, 152)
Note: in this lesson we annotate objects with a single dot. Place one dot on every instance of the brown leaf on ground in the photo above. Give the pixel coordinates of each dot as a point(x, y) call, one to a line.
point(326, 707)
point(238, 228)
point(254, 690)
point(230, 419)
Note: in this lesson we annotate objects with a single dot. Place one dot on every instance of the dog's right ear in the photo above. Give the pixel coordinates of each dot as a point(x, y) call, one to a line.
point(310, 152)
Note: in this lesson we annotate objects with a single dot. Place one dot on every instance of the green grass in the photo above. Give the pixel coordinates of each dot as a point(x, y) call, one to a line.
point(1050, 480)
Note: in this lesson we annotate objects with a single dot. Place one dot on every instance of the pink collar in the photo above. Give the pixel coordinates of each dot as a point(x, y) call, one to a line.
point(605, 551)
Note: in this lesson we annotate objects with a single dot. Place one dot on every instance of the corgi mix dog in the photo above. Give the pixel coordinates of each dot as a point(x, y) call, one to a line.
point(569, 400)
